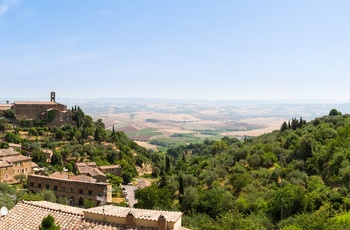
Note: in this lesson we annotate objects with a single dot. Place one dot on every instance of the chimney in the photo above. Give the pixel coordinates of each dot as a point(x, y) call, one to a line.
point(7, 102)
point(130, 219)
point(162, 223)
point(53, 97)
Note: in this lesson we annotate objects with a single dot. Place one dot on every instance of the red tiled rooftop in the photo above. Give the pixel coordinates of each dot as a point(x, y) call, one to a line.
point(8, 152)
point(146, 214)
point(82, 178)
point(109, 166)
point(17, 158)
point(28, 215)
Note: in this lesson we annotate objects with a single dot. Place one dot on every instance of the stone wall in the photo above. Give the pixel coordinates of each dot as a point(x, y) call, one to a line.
point(74, 191)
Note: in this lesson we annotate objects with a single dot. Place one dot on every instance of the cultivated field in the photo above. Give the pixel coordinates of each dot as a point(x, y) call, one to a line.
point(164, 123)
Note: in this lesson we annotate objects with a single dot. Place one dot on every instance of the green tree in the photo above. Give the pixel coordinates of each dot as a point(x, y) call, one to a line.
point(9, 114)
point(167, 164)
point(218, 147)
point(89, 203)
point(284, 126)
point(38, 156)
point(286, 202)
point(12, 138)
point(334, 112)
point(48, 223)
point(48, 195)
point(153, 197)
point(56, 159)
point(215, 201)
point(189, 200)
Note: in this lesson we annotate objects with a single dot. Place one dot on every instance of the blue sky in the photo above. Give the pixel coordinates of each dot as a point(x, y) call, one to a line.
point(186, 49)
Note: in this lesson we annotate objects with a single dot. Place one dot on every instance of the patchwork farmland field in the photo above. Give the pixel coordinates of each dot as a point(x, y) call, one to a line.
point(168, 123)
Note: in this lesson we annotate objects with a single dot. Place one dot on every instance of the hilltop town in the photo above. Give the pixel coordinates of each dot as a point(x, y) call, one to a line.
point(47, 150)
point(90, 177)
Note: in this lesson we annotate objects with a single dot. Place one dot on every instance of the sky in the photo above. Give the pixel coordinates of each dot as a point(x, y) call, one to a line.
point(178, 49)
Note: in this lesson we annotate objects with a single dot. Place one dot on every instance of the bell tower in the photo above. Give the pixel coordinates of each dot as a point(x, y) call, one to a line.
point(53, 97)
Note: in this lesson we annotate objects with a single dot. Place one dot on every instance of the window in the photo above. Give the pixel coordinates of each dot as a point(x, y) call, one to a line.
point(31, 184)
point(55, 187)
point(47, 186)
point(90, 192)
point(39, 185)
point(81, 201)
point(81, 191)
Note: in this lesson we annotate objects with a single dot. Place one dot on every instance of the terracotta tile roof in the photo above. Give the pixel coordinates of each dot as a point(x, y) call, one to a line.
point(28, 215)
point(17, 158)
point(82, 178)
point(91, 164)
point(90, 171)
point(96, 172)
point(35, 103)
point(68, 179)
point(109, 166)
point(84, 169)
point(4, 164)
point(4, 107)
point(8, 152)
point(138, 213)
point(58, 175)
point(80, 164)
point(34, 165)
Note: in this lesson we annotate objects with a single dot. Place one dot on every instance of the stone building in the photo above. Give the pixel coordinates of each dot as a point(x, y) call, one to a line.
point(74, 189)
point(90, 169)
point(102, 217)
point(4, 107)
point(12, 163)
point(51, 111)
point(112, 169)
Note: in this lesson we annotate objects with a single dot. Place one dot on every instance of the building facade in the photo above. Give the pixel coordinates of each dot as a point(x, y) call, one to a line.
point(13, 164)
point(112, 169)
point(73, 189)
point(51, 111)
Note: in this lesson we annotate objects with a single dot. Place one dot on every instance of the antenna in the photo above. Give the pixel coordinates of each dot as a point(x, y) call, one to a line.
point(4, 211)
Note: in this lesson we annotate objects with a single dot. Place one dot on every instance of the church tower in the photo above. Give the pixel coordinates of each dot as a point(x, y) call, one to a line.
point(53, 97)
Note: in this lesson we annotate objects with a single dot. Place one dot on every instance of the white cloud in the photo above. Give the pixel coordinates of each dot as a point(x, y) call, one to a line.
point(6, 5)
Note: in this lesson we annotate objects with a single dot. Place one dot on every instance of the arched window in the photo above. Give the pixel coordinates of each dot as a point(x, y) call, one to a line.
point(81, 201)
point(71, 200)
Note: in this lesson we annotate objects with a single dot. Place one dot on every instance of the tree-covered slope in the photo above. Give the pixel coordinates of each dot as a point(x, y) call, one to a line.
point(297, 177)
